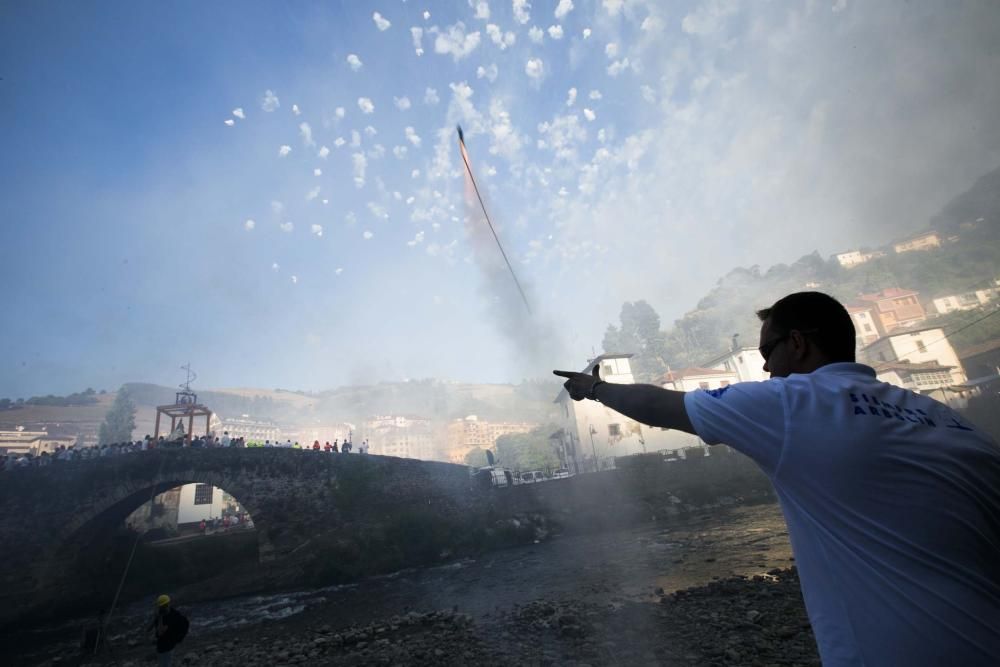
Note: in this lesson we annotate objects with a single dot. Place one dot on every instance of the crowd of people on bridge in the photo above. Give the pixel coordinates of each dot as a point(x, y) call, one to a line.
point(63, 454)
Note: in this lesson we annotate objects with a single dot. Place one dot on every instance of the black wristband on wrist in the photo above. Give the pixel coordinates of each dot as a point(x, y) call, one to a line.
point(593, 388)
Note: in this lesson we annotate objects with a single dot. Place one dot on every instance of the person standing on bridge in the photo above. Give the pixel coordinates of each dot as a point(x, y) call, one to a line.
point(892, 500)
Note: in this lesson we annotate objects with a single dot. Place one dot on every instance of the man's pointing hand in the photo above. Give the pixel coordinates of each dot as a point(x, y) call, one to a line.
point(581, 385)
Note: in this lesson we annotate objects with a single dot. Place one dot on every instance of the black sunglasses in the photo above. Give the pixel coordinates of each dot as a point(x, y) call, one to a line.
point(767, 348)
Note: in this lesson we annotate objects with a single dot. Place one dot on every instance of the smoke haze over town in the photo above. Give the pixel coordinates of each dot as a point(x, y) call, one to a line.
point(275, 195)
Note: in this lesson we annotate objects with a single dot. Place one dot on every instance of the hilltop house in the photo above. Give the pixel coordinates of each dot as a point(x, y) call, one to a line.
point(925, 241)
point(965, 301)
point(896, 308)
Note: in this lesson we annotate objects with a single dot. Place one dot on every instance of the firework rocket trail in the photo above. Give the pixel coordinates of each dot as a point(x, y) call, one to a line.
point(470, 179)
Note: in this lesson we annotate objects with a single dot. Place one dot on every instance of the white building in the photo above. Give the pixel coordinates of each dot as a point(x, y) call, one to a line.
point(400, 436)
point(690, 379)
point(253, 430)
point(965, 301)
point(852, 258)
point(925, 241)
point(593, 434)
point(20, 441)
point(201, 501)
point(921, 360)
point(745, 362)
point(867, 325)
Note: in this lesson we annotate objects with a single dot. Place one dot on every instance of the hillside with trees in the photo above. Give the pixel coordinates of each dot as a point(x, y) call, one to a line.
point(968, 259)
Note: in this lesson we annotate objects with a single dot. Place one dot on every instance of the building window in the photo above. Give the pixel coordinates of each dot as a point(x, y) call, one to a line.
point(614, 430)
point(703, 385)
point(203, 494)
point(921, 347)
point(868, 328)
point(608, 370)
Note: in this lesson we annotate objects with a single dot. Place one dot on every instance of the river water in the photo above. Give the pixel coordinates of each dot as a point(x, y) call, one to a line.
point(606, 568)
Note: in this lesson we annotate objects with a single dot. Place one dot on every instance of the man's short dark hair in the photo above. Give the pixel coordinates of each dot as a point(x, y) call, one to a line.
point(820, 317)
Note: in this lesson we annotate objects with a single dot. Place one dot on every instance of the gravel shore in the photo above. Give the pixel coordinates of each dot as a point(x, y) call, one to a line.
point(755, 621)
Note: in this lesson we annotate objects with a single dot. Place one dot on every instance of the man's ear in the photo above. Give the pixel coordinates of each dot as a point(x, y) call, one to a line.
point(801, 344)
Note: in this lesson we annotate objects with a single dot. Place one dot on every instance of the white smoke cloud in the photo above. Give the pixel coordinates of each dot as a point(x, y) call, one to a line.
point(284, 150)
point(431, 97)
point(534, 68)
point(366, 105)
point(456, 42)
point(287, 226)
point(563, 8)
point(238, 112)
point(412, 136)
point(354, 62)
point(489, 73)
point(360, 164)
point(316, 229)
point(270, 101)
point(417, 34)
point(402, 103)
point(556, 31)
point(249, 225)
point(306, 133)
point(380, 22)
point(521, 11)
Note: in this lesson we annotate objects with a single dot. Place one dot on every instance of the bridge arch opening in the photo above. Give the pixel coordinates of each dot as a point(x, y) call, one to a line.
point(173, 548)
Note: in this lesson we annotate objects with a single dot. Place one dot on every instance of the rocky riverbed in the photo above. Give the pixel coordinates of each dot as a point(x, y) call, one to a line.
point(716, 589)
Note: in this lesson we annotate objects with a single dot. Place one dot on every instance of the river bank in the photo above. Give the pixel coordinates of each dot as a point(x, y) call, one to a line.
point(610, 598)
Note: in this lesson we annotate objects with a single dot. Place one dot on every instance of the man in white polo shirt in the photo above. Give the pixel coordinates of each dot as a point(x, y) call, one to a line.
point(892, 500)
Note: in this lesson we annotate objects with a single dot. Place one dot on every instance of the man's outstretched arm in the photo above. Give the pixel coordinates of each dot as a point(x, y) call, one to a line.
point(645, 403)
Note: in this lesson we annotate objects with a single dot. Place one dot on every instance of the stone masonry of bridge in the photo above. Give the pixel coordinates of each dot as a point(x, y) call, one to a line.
point(315, 511)
point(52, 514)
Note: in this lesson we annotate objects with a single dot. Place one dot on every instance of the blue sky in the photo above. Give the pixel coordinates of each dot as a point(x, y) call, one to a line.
point(627, 150)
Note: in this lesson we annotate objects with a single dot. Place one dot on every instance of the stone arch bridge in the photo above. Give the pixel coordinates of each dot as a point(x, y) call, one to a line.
point(50, 515)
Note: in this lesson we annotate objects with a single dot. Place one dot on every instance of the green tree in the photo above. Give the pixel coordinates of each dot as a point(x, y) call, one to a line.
point(639, 334)
point(476, 458)
point(119, 422)
point(528, 451)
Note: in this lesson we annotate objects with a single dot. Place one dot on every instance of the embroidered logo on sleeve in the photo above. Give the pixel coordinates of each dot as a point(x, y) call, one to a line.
point(717, 393)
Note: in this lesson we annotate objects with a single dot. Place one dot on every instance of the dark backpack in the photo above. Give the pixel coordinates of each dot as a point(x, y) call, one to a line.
point(182, 627)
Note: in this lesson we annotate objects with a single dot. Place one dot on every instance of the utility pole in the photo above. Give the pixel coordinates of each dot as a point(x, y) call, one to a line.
point(593, 446)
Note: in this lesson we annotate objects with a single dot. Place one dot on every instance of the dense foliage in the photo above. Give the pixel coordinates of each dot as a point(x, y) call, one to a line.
point(119, 423)
point(86, 397)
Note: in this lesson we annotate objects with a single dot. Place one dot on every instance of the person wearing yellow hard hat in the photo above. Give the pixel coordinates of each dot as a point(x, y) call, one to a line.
point(170, 627)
